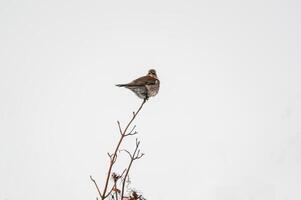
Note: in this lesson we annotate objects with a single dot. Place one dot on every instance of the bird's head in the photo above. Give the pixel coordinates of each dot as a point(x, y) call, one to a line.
point(152, 73)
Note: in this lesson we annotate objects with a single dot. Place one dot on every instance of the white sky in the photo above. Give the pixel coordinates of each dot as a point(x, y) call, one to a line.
point(225, 125)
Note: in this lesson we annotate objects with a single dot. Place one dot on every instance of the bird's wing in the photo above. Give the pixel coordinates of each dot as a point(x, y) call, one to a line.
point(144, 80)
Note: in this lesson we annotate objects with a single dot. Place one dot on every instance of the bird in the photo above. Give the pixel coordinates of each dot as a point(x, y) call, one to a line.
point(145, 86)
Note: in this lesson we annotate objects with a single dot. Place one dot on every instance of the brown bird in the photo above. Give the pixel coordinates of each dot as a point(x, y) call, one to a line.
point(145, 86)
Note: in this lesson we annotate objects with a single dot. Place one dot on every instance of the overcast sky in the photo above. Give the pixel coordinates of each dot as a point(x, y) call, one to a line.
point(226, 124)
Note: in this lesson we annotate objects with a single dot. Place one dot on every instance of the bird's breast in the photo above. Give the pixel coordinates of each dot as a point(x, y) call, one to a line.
point(153, 89)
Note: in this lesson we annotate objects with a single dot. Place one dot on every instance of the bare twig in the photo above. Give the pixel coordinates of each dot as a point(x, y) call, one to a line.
point(134, 156)
point(116, 194)
point(113, 156)
point(119, 127)
point(123, 172)
point(131, 132)
point(130, 155)
point(132, 129)
point(139, 156)
point(101, 196)
point(110, 190)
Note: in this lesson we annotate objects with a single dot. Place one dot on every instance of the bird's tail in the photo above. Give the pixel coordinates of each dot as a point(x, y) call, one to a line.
point(121, 85)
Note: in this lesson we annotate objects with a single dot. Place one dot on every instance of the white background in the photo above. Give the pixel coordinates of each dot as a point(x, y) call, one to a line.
point(225, 125)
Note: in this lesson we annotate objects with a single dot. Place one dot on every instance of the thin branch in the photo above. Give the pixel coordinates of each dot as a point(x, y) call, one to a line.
point(132, 129)
point(101, 196)
point(110, 191)
point(125, 176)
point(139, 156)
point(123, 172)
point(131, 132)
point(116, 191)
point(110, 155)
point(114, 158)
point(123, 134)
point(127, 152)
point(119, 127)
point(137, 142)
point(134, 156)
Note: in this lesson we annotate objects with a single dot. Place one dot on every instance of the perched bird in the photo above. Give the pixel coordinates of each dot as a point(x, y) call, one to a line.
point(145, 86)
